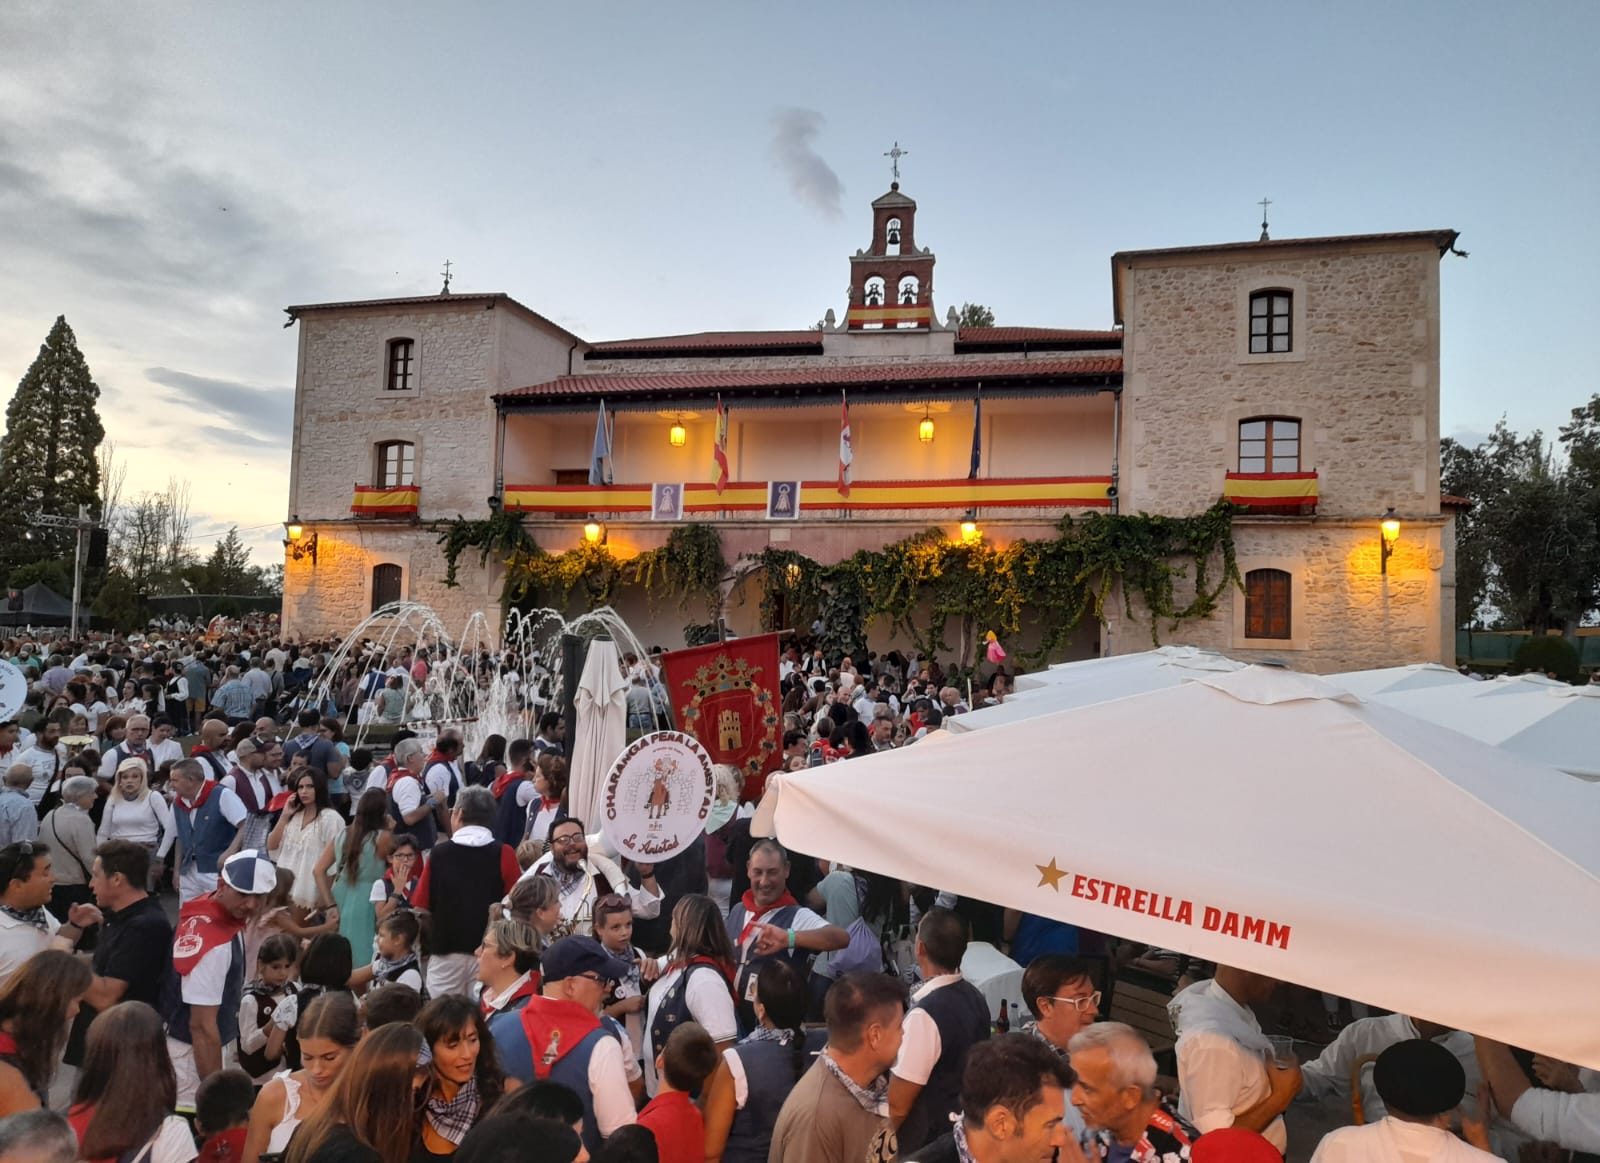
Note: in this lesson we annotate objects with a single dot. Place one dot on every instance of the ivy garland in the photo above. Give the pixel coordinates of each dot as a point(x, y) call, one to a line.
point(918, 584)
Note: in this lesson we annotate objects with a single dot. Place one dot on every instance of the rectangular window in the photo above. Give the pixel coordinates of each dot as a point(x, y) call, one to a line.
point(1269, 322)
point(401, 352)
point(1269, 444)
point(1266, 604)
point(397, 464)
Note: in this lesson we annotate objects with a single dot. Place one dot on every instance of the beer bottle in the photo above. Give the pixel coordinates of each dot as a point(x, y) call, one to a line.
point(1003, 1023)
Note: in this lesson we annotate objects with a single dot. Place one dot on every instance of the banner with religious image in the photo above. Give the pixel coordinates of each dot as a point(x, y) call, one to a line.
point(726, 696)
point(783, 500)
point(658, 796)
point(666, 502)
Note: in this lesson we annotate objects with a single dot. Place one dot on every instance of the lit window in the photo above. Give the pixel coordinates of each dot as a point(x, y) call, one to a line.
point(1269, 444)
point(402, 354)
point(397, 464)
point(1266, 604)
point(1269, 322)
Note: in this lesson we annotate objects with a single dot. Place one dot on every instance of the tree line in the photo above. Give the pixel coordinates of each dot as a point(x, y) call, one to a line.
point(1528, 549)
point(54, 458)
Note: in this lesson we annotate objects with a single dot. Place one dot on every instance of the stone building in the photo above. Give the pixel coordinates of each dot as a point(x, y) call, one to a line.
point(1298, 377)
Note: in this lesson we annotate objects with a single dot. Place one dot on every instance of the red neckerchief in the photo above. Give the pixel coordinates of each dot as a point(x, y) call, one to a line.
point(203, 925)
point(8, 1044)
point(546, 803)
point(399, 774)
point(753, 915)
point(554, 1026)
point(504, 780)
point(436, 757)
point(205, 794)
point(728, 971)
point(525, 992)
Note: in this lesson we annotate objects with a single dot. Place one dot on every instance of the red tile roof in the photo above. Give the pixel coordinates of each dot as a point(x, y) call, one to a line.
point(489, 297)
point(993, 335)
point(707, 341)
point(1451, 501)
point(996, 371)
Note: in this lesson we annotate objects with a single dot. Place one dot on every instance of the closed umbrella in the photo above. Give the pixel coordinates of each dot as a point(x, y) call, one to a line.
point(601, 703)
point(1263, 819)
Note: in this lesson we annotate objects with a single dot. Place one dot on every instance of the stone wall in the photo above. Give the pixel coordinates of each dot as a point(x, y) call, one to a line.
point(874, 347)
point(1363, 376)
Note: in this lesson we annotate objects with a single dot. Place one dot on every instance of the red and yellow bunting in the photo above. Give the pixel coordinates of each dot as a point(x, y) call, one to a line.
point(1271, 490)
point(858, 317)
point(820, 498)
point(379, 502)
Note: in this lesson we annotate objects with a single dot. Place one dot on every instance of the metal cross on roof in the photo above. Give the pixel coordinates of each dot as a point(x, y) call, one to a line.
point(446, 290)
point(1264, 203)
point(894, 155)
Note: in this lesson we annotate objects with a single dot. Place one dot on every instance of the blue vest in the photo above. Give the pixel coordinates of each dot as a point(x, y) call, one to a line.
point(570, 1070)
point(510, 817)
point(750, 964)
point(207, 836)
point(425, 830)
point(769, 1077)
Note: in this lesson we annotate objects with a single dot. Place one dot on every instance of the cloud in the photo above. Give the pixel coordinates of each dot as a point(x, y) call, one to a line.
point(810, 177)
point(235, 438)
point(259, 409)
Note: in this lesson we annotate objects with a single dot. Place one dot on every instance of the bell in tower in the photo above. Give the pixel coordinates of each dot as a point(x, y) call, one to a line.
point(891, 281)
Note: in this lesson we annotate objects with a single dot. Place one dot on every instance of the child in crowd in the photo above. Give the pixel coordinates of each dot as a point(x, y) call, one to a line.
point(391, 1005)
point(222, 1115)
point(625, 1001)
point(393, 889)
point(397, 962)
point(682, 1067)
point(268, 1009)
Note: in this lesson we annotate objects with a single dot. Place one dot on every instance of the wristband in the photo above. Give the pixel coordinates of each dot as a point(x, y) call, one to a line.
point(791, 940)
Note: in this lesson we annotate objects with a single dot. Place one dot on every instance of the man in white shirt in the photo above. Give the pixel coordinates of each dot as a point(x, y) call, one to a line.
point(13, 742)
point(1225, 1074)
point(1421, 1083)
point(46, 757)
point(1328, 1075)
point(135, 745)
point(584, 878)
point(1570, 1121)
point(164, 745)
point(26, 926)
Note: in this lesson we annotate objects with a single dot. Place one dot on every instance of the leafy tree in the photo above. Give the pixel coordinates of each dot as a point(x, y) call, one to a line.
point(975, 315)
point(120, 603)
point(48, 457)
point(228, 568)
point(55, 573)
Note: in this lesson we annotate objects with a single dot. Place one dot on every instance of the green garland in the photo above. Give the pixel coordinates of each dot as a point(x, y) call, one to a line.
point(918, 584)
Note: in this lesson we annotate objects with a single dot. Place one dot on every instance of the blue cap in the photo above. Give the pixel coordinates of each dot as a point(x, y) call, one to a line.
point(251, 873)
point(576, 956)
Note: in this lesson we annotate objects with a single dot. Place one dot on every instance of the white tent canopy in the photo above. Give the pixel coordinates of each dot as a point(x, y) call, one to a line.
point(601, 703)
point(1096, 680)
point(1393, 679)
point(1537, 718)
point(1263, 819)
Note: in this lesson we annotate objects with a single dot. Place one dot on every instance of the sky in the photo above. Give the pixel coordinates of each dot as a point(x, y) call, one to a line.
point(172, 176)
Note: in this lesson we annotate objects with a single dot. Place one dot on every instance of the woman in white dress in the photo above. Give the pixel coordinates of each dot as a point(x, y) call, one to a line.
point(328, 1032)
point(306, 827)
point(134, 812)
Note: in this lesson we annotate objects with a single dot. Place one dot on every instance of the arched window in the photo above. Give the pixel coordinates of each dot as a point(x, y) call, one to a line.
point(397, 464)
point(874, 292)
point(892, 235)
point(402, 361)
point(386, 583)
point(1271, 313)
point(1267, 612)
point(908, 291)
point(1269, 444)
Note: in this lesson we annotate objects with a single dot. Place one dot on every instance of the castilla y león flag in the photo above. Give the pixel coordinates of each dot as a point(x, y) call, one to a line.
point(726, 696)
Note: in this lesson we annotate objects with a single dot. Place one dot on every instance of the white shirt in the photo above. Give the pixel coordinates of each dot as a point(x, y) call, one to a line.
point(173, 1142)
point(1568, 1120)
point(710, 1003)
point(144, 821)
point(1328, 1075)
point(438, 778)
point(20, 941)
point(577, 903)
point(205, 984)
point(1391, 1141)
point(230, 805)
point(46, 765)
point(168, 750)
point(920, 1045)
point(1221, 1066)
point(608, 1085)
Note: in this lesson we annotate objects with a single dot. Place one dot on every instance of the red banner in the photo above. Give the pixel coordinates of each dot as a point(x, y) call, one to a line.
point(726, 696)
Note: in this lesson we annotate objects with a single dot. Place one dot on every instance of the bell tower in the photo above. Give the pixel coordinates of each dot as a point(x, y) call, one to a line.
point(891, 282)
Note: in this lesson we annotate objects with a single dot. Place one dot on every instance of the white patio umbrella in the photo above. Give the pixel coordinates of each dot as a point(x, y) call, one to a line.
point(601, 703)
point(1393, 679)
point(1263, 819)
point(1078, 684)
point(1542, 720)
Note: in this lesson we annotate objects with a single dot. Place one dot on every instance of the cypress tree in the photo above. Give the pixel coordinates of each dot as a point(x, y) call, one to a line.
point(48, 457)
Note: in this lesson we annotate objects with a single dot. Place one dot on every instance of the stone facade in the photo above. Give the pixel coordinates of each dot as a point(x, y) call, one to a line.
point(1362, 379)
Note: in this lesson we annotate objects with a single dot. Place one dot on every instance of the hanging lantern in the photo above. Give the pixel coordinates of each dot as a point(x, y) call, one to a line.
point(676, 435)
point(925, 428)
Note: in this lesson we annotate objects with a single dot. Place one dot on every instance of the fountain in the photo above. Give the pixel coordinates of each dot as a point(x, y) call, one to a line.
point(476, 681)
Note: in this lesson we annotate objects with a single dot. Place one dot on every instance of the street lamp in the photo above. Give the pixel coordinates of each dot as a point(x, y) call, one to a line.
point(594, 533)
point(1389, 533)
point(299, 544)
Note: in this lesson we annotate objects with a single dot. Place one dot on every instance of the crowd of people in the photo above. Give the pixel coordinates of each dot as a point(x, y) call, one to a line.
point(416, 955)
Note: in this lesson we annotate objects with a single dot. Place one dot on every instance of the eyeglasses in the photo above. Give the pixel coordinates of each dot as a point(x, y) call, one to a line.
point(1092, 1001)
point(566, 841)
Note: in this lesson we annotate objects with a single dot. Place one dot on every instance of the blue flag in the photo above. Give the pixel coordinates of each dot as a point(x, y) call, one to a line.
point(977, 434)
point(600, 458)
